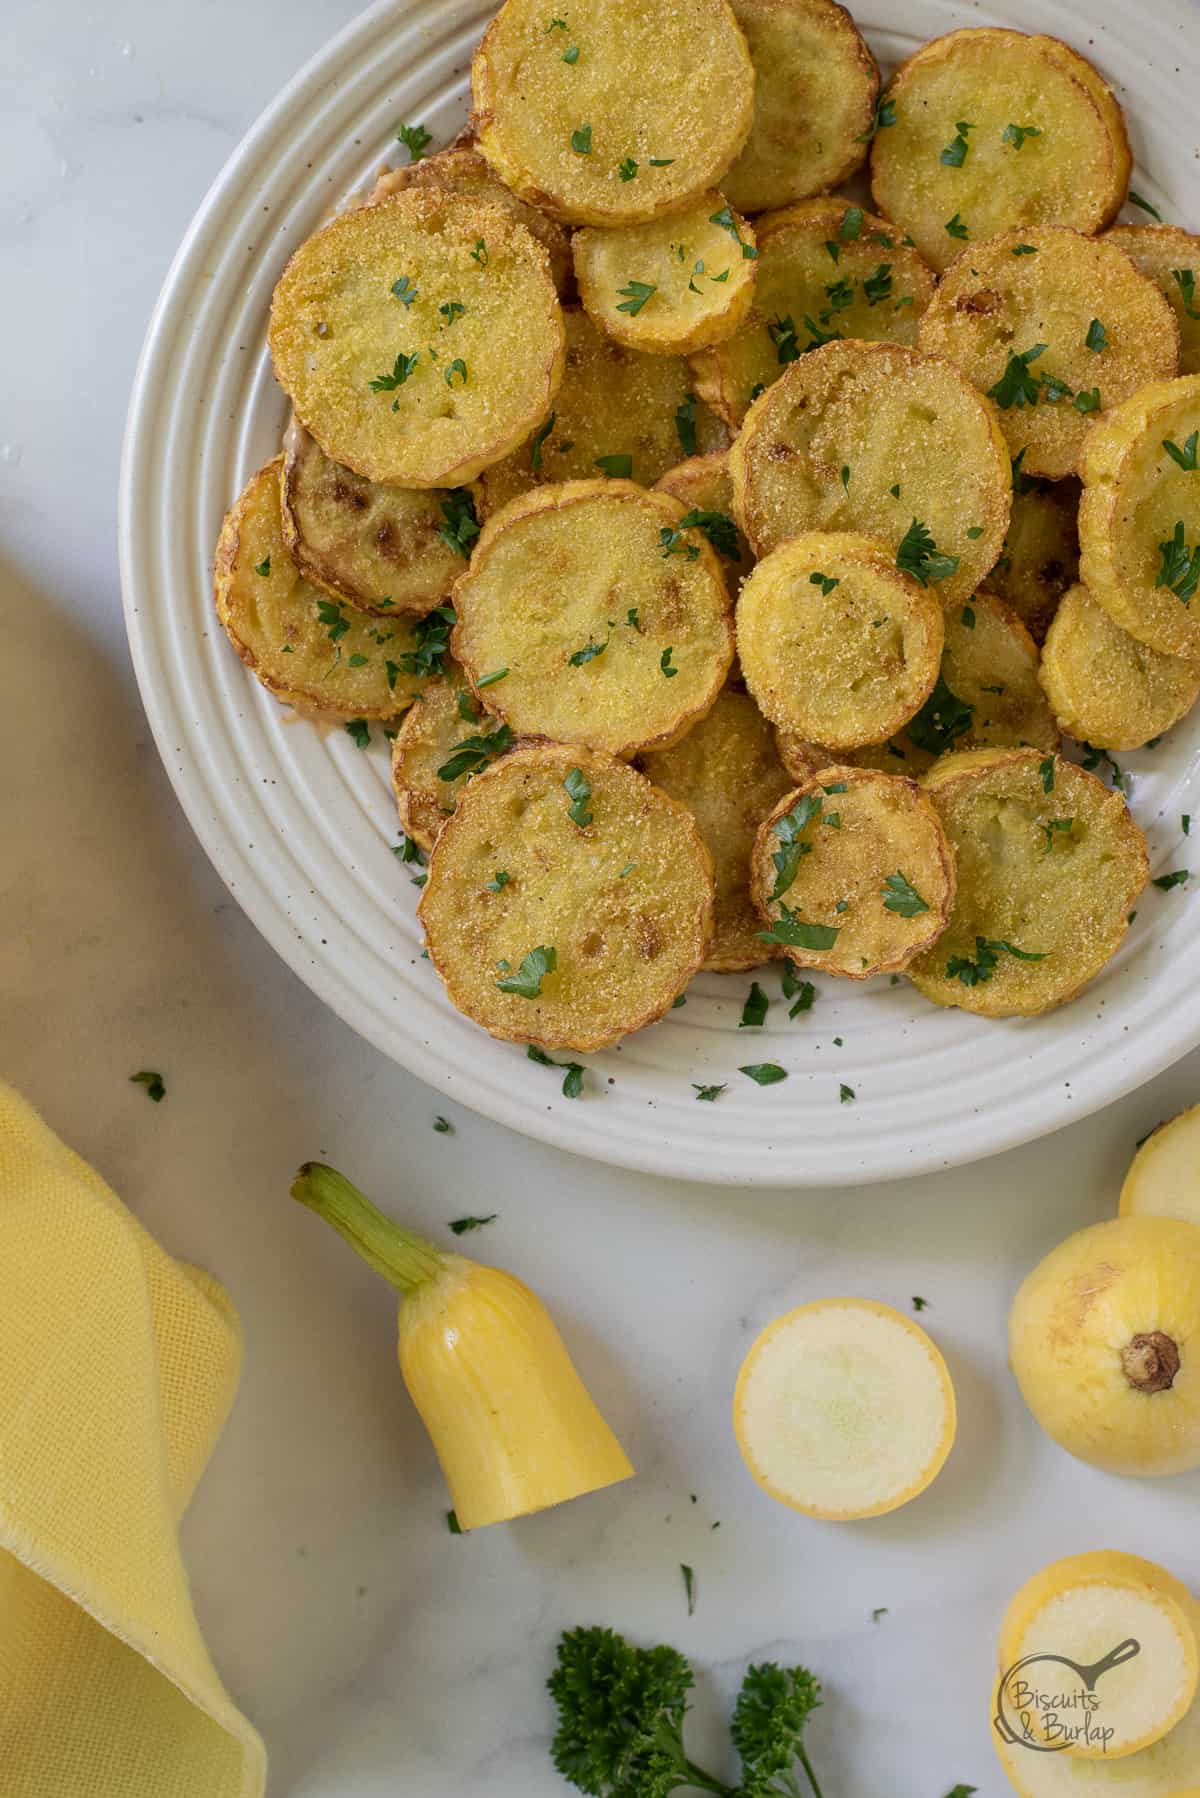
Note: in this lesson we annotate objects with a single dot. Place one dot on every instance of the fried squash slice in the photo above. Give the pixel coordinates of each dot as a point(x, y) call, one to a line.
point(1171, 258)
point(669, 285)
point(607, 615)
point(704, 486)
point(1057, 329)
point(1049, 864)
point(990, 129)
point(383, 549)
point(1139, 519)
point(568, 901)
point(853, 873)
point(878, 439)
point(826, 269)
point(307, 649)
point(445, 740)
point(420, 339)
point(1040, 558)
point(728, 773)
point(613, 113)
point(815, 90)
point(1104, 686)
point(987, 694)
point(618, 411)
point(835, 644)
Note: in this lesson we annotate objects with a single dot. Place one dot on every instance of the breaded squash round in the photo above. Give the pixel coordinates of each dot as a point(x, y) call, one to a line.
point(728, 773)
point(836, 644)
point(826, 269)
point(307, 649)
point(815, 88)
point(1049, 864)
point(1105, 687)
point(617, 412)
point(381, 548)
point(669, 285)
point(987, 694)
point(609, 617)
point(853, 873)
point(991, 128)
point(568, 901)
point(1139, 518)
point(1056, 337)
point(1040, 559)
point(445, 740)
point(1171, 258)
point(615, 113)
point(420, 339)
point(802, 758)
point(703, 485)
point(460, 169)
point(876, 438)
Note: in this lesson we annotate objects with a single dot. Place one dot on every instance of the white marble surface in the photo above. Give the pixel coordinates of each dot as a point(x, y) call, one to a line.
point(378, 1654)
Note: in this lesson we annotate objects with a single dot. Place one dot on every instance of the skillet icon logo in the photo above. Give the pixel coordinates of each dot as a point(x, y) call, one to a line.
point(1047, 1702)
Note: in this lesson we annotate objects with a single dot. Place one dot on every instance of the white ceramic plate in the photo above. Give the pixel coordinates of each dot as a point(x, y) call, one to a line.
point(300, 823)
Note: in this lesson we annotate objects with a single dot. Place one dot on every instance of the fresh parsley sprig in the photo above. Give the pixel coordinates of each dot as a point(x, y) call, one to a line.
point(919, 556)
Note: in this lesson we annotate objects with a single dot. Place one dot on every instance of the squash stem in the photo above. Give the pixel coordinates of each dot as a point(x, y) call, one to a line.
point(408, 1261)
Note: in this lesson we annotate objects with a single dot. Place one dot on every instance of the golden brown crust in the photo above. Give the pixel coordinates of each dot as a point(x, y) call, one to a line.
point(625, 900)
point(993, 305)
point(1159, 251)
point(827, 445)
point(874, 868)
point(876, 290)
point(1049, 864)
point(444, 720)
point(1072, 169)
point(529, 105)
point(1104, 686)
point(816, 84)
point(484, 374)
point(1040, 559)
point(605, 639)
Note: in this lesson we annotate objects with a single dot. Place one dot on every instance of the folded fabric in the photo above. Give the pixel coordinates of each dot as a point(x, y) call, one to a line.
point(118, 1366)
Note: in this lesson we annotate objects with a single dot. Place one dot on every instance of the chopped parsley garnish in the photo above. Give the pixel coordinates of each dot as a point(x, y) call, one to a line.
point(754, 1011)
point(357, 661)
point(685, 424)
point(727, 222)
point(793, 934)
point(885, 115)
point(919, 1304)
point(955, 227)
point(571, 55)
point(987, 960)
point(941, 720)
point(489, 680)
point(1094, 758)
point(581, 141)
point(1165, 882)
point(452, 1524)
point(480, 253)
point(802, 991)
point(919, 556)
point(401, 369)
point(1185, 458)
point(462, 526)
point(900, 896)
point(1046, 770)
point(1025, 249)
point(408, 850)
point(782, 332)
point(444, 1127)
point(627, 169)
point(359, 730)
point(619, 467)
point(154, 1084)
point(1180, 571)
point(878, 286)
point(673, 544)
point(879, 1611)
point(845, 477)
point(457, 367)
point(955, 154)
point(661, 162)
point(1137, 200)
point(452, 311)
point(718, 527)
point(664, 662)
point(708, 1093)
point(1016, 386)
point(968, 617)
point(1097, 337)
point(474, 754)
point(1185, 281)
point(1087, 400)
point(499, 881)
point(764, 1073)
point(539, 438)
point(461, 1225)
point(404, 291)
point(1056, 827)
point(1186, 821)
point(588, 653)
point(826, 582)
point(264, 567)
point(527, 981)
point(573, 1071)
point(840, 294)
point(579, 791)
point(846, 1094)
point(635, 296)
point(1016, 134)
point(415, 139)
point(689, 1586)
point(850, 229)
point(790, 831)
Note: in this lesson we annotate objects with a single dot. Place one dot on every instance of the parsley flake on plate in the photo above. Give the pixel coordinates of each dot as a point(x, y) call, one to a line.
point(764, 1073)
point(573, 1071)
point(754, 1011)
point(707, 1093)
point(154, 1084)
point(415, 139)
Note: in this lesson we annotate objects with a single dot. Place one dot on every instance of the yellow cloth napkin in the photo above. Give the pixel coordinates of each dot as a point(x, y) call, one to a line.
point(118, 1366)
